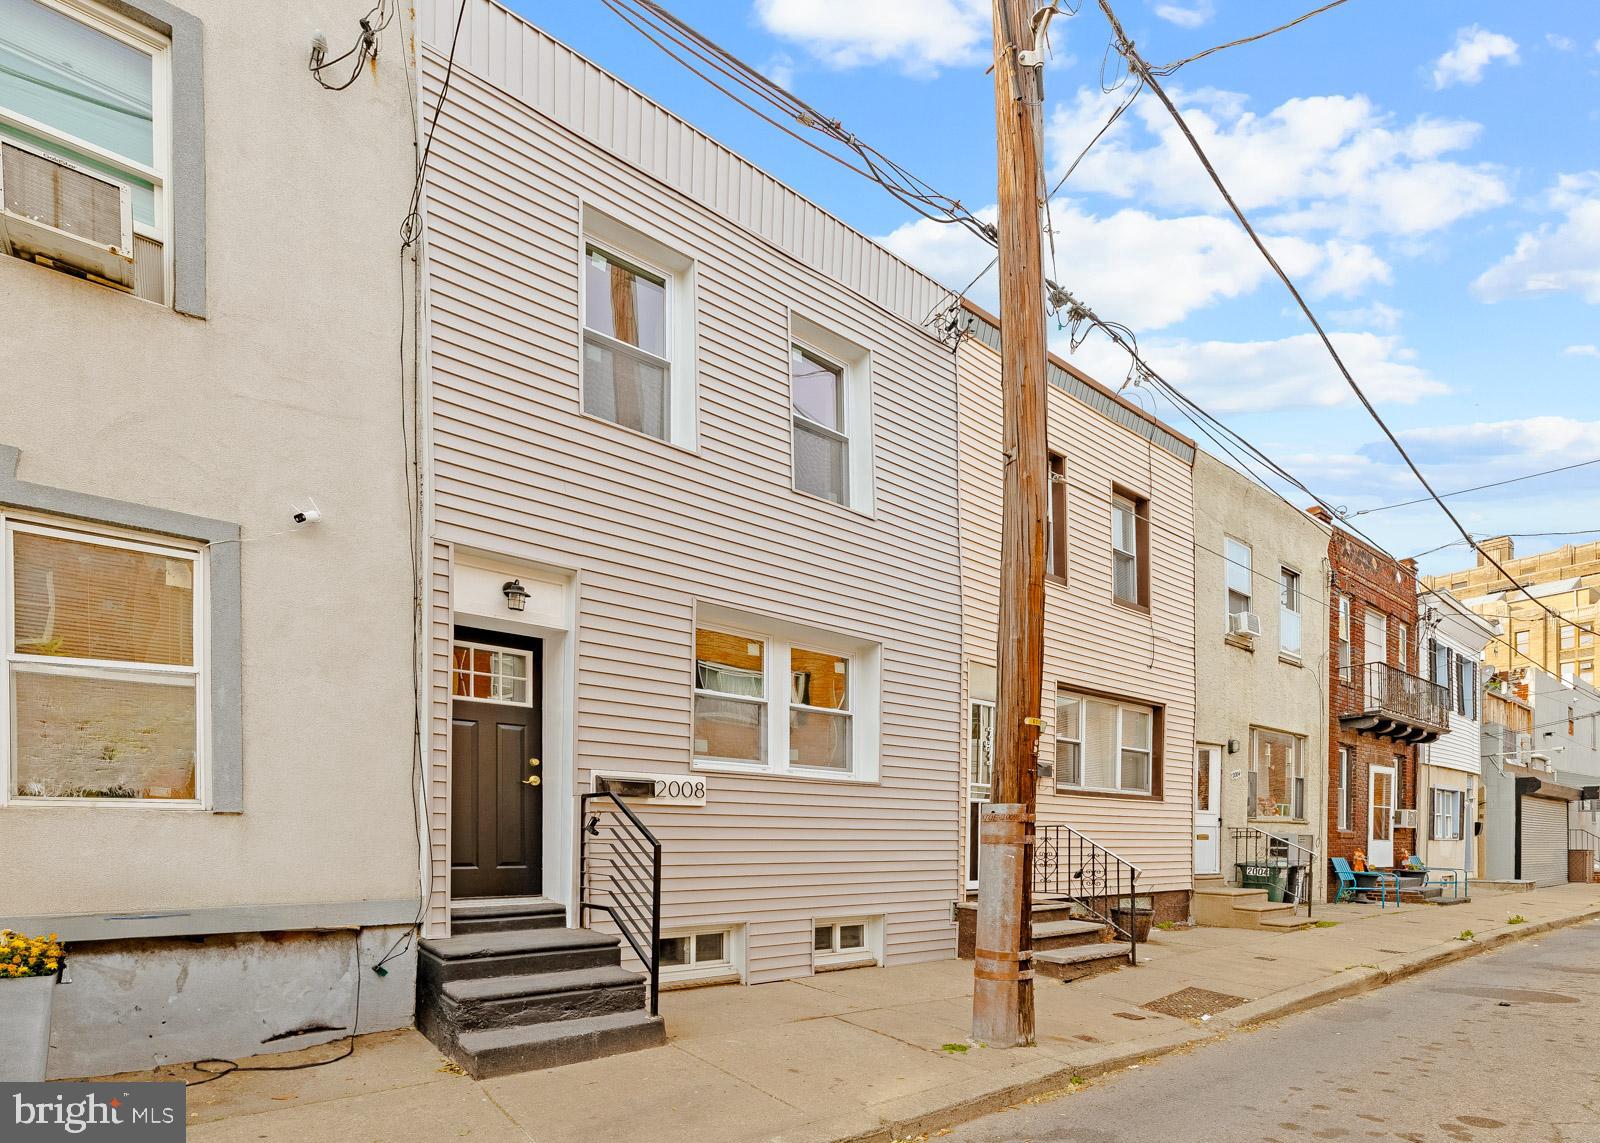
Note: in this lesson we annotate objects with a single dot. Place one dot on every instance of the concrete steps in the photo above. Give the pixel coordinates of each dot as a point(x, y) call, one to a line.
point(1219, 905)
point(1081, 960)
point(513, 990)
point(1066, 944)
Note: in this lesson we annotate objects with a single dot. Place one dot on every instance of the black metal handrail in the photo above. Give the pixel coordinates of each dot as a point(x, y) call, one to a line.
point(1383, 688)
point(1067, 865)
point(1254, 846)
point(619, 859)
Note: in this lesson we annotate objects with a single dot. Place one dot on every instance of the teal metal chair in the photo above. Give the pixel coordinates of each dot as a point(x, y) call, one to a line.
point(1441, 875)
point(1349, 886)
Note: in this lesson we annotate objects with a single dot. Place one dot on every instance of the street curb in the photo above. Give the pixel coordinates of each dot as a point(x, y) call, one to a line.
point(909, 1124)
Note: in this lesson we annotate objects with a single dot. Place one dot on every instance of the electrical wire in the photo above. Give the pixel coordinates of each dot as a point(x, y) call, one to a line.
point(411, 225)
point(1482, 487)
point(1168, 69)
point(378, 18)
point(1137, 63)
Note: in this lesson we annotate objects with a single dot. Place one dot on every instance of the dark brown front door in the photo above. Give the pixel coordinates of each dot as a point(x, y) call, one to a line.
point(497, 778)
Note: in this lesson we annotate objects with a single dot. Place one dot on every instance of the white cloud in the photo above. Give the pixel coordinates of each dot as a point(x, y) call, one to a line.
point(1582, 351)
point(1260, 376)
point(1475, 50)
point(1332, 162)
point(1559, 42)
point(1144, 271)
point(780, 69)
point(1376, 316)
point(1191, 15)
point(921, 36)
point(1559, 258)
point(1529, 444)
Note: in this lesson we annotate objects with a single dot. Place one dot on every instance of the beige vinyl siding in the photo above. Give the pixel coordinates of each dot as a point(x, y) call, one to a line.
point(1091, 643)
point(651, 529)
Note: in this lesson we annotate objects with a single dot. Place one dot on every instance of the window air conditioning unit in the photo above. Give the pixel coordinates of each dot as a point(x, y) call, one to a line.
point(1244, 623)
point(1405, 819)
point(54, 211)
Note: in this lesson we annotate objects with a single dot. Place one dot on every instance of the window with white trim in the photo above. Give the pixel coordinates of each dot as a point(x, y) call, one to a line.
point(1289, 611)
point(786, 700)
point(840, 941)
point(1128, 549)
point(638, 331)
point(698, 955)
point(105, 666)
point(491, 674)
point(1277, 775)
point(1519, 640)
point(83, 83)
point(1342, 638)
point(1346, 793)
point(830, 399)
point(1237, 571)
point(1103, 745)
point(1449, 814)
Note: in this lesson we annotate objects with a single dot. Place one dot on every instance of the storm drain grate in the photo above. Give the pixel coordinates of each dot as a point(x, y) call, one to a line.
point(1192, 1003)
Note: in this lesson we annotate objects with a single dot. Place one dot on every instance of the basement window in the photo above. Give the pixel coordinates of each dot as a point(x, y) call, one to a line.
point(844, 941)
point(703, 954)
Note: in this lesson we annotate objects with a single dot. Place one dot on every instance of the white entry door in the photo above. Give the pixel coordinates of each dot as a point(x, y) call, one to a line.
point(980, 773)
point(1207, 810)
point(1380, 834)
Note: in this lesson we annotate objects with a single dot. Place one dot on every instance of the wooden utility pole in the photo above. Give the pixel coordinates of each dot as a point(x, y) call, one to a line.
point(1002, 995)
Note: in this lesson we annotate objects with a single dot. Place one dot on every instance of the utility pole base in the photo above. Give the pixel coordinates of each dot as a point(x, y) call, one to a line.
point(1002, 971)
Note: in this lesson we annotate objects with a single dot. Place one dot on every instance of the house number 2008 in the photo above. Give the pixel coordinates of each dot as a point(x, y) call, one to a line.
point(681, 788)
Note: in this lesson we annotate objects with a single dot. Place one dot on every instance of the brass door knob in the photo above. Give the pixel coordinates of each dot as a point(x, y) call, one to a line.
point(533, 761)
point(531, 780)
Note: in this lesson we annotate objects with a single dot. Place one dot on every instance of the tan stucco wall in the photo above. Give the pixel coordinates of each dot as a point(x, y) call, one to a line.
point(291, 388)
point(1259, 687)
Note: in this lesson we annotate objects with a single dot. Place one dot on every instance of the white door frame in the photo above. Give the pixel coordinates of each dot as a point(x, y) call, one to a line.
point(1208, 818)
point(1376, 857)
point(979, 774)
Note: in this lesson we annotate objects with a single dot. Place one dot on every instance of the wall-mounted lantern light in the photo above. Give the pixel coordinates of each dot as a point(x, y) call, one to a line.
point(516, 595)
point(1233, 746)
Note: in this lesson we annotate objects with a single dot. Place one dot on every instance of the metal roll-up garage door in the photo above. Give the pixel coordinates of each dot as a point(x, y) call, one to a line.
point(1544, 841)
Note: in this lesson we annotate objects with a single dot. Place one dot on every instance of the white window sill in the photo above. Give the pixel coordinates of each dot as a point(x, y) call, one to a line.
point(1242, 642)
point(795, 774)
point(866, 513)
point(688, 449)
point(1290, 658)
point(102, 803)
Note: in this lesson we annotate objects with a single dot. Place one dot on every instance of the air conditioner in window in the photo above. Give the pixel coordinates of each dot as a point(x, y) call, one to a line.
point(54, 211)
point(1244, 623)
point(1405, 819)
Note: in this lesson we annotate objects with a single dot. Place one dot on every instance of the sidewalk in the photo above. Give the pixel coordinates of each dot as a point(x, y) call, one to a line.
point(871, 1054)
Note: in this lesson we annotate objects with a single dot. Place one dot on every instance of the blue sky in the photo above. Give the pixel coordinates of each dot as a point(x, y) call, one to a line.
point(1429, 172)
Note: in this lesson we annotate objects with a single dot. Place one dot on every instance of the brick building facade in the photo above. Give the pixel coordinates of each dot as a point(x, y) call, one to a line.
point(1379, 708)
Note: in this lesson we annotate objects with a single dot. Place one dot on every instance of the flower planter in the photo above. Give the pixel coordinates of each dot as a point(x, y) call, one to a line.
point(1137, 920)
point(25, 1023)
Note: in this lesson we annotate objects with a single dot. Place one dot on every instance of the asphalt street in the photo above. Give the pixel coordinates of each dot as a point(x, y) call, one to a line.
point(1503, 1046)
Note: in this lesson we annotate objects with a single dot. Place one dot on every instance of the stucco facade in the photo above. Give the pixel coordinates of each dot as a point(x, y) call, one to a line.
point(267, 378)
point(1247, 539)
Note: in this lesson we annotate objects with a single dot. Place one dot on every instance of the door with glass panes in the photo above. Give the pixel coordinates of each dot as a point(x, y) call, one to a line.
point(980, 773)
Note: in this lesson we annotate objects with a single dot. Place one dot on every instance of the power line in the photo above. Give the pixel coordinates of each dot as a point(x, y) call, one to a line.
point(1168, 69)
point(1137, 63)
point(1480, 488)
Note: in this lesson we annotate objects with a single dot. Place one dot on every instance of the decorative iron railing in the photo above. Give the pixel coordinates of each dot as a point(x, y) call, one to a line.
point(1267, 851)
point(1385, 690)
point(619, 874)
point(1069, 866)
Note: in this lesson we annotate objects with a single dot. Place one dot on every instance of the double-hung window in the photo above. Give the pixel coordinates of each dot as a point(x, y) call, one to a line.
point(627, 375)
point(1289, 611)
point(1569, 636)
point(1277, 775)
point(1346, 794)
point(1104, 745)
point(783, 702)
point(1342, 639)
point(1130, 549)
point(819, 395)
point(1519, 640)
point(1237, 572)
point(1449, 812)
point(82, 83)
point(104, 688)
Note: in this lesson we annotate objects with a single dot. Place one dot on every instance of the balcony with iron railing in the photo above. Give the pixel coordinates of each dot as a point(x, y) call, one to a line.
point(1382, 700)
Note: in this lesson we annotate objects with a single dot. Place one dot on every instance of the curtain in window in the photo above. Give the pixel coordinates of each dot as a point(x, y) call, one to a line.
point(1099, 762)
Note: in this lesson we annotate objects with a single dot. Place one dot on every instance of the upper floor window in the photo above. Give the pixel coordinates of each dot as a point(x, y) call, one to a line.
point(1130, 549)
point(821, 436)
point(1237, 564)
point(1520, 642)
point(1105, 745)
point(1377, 637)
point(1289, 611)
point(1403, 639)
point(85, 135)
point(638, 332)
point(830, 397)
point(1342, 636)
point(104, 666)
point(1055, 523)
point(783, 701)
point(1569, 636)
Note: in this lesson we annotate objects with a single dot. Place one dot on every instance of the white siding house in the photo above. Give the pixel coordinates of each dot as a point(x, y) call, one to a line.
point(1451, 643)
point(697, 420)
